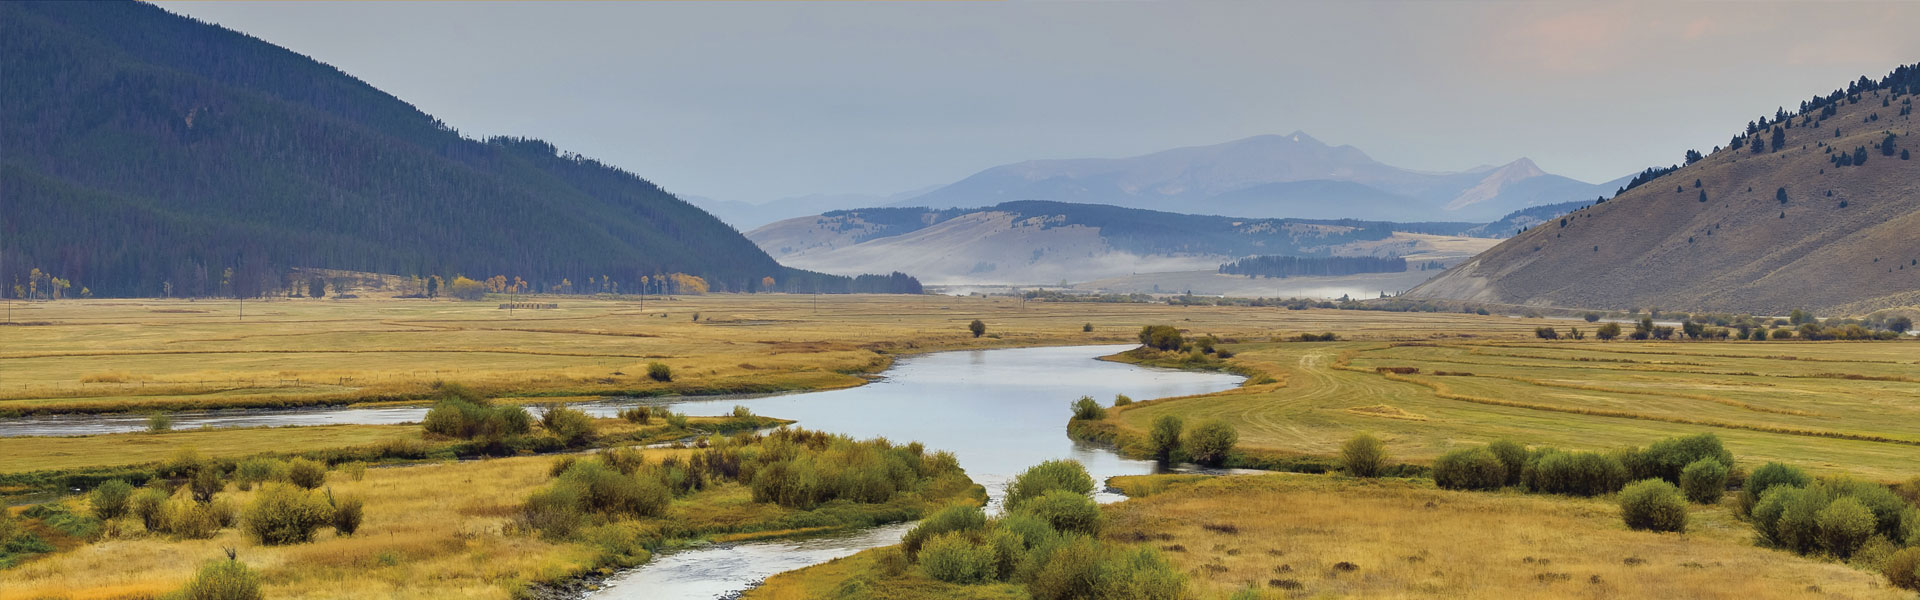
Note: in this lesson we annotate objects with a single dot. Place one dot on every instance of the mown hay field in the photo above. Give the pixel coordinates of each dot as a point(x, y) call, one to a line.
point(1830, 406)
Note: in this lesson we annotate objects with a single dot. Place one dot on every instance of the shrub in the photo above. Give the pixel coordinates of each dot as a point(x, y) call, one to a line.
point(604, 490)
point(637, 414)
point(1903, 568)
point(1666, 458)
point(742, 412)
point(675, 420)
point(977, 327)
point(1607, 331)
point(1704, 481)
point(572, 426)
point(254, 471)
point(1161, 337)
point(954, 557)
point(1066, 512)
point(1120, 400)
point(1843, 526)
point(223, 580)
point(1088, 409)
point(1797, 527)
point(1574, 473)
point(150, 506)
point(625, 460)
point(284, 514)
point(1765, 477)
point(1087, 328)
point(110, 499)
point(306, 473)
point(159, 422)
point(956, 518)
point(1209, 443)
point(1071, 570)
point(1513, 456)
point(1163, 440)
point(1653, 504)
point(205, 482)
point(659, 371)
point(462, 413)
point(1363, 456)
point(1052, 475)
point(355, 470)
point(1143, 574)
point(192, 520)
point(347, 513)
point(1469, 469)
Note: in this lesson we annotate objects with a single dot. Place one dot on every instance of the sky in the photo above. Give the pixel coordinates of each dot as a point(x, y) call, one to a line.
point(754, 101)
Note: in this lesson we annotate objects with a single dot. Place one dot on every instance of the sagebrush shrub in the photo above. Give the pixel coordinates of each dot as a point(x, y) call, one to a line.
point(1363, 456)
point(1704, 481)
point(1051, 475)
point(284, 514)
point(1211, 442)
point(1469, 469)
point(1653, 504)
point(954, 557)
point(223, 580)
point(110, 499)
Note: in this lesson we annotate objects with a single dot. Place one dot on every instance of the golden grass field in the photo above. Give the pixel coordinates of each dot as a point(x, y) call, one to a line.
point(1829, 406)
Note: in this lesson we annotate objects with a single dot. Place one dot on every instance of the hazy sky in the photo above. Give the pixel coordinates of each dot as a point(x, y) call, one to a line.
point(753, 101)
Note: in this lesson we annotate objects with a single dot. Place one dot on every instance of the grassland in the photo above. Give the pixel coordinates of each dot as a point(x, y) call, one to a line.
point(443, 530)
point(1829, 406)
point(141, 355)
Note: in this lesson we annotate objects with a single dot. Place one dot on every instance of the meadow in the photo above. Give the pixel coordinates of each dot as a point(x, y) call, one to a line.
point(1833, 407)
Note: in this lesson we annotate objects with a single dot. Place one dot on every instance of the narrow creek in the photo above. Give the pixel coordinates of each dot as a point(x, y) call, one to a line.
point(998, 411)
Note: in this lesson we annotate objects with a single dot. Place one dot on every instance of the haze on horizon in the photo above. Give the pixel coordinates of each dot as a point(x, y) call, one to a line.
point(756, 101)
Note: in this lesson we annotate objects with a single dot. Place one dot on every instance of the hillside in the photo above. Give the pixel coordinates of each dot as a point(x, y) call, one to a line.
point(149, 153)
point(1776, 221)
point(1047, 242)
point(1525, 218)
point(1269, 176)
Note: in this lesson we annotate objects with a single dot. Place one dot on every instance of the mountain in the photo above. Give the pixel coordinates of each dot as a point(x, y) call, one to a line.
point(1268, 176)
point(1043, 241)
point(749, 215)
point(1812, 210)
point(1525, 218)
point(149, 152)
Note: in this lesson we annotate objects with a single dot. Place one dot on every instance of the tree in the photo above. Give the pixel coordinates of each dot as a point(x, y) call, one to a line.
point(1363, 456)
point(1164, 439)
point(1608, 331)
point(1886, 145)
point(433, 286)
point(1161, 337)
point(1209, 443)
point(1592, 317)
point(766, 283)
point(316, 288)
point(977, 327)
point(1703, 195)
point(1546, 333)
point(1900, 324)
point(1693, 156)
point(1779, 138)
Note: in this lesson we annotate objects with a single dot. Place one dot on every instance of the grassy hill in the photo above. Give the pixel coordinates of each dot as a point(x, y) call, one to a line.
point(1777, 220)
point(149, 152)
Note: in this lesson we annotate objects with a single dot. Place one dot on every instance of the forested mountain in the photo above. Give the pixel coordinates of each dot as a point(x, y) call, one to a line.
point(1269, 176)
point(1808, 209)
point(147, 153)
point(1525, 218)
point(1039, 241)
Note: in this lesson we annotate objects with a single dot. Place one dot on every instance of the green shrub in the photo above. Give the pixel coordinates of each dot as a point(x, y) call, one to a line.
point(1161, 337)
point(1032, 530)
point(742, 412)
point(957, 518)
point(258, 470)
point(1513, 457)
point(1052, 475)
point(1072, 570)
point(1469, 469)
point(954, 557)
point(1143, 574)
point(149, 505)
point(604, 490)
point(355, 470)
point(1363, 456)
point(1066, 512)
point(1088, 409)
point(1764, 478)
point(572, 426)
point(463, 414)
point(306, 473)
point(1843, 526)
point(1887, 507)
point(1574, 473)
point(205, 482)
point(223, 580)
point(626, 460)
point(110, 499)
point(1666, 458)
point(1797, 527)
point(1903, 569)
point(1163, 440)
point(159, 422)
point(555, 511)
point(347, 513)
point(977, 327)
point(659, 371)
point(1653, 504)
point(637, 414)
point(1704, 481)
point(1209, 443)
point(1009, 553)
point(1120, 400)
point(284, 514)
point(192, 520)
point(676, 420)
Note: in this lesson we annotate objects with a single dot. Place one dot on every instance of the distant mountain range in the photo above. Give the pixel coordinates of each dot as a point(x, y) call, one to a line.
point(1816, 209)
point(1047, 242)
point(1270, 176)
point(150, 153)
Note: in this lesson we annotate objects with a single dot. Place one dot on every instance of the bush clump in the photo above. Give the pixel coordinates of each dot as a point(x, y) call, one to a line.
point(954, 557)
point(1513, 457)
point(1903, 568)
point(1666, 458)
point(307, 474)
point(149, 505)
point(110, 499)
point(1120, 400)
point(957, 518)
point(227, 579)
point(1363, 456)
point(1211, 442)
point(1704, 481)
point(284, 514)
point(1843, 526)
point(1165, 338)
point(1066, 512)
point(462, 413)
point(348, 511)
point(1653, 505)
point(659, 371)
point(1765, 478)
point(1573, 473)
point(638, 414)
point(1088, 409)
point(1163, 440)
point(1048, 476)
point(1469, 469)
point(258, 470)
point(570, 425)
